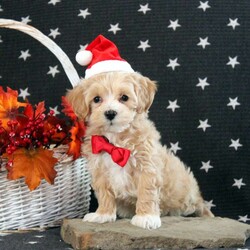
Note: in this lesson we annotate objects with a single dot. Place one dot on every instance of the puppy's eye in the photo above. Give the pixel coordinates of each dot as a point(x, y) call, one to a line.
point(124, 98)
point(97, 99)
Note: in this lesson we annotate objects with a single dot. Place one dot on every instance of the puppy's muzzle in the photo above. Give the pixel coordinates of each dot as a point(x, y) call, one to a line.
point(110, 114)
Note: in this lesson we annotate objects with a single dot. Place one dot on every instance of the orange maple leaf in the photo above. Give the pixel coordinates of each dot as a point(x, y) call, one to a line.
point(68, 110)
point(34, 165)
point(9, 105)
point(77, 132)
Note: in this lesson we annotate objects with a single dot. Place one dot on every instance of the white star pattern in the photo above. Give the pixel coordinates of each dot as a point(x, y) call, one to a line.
point(174, 147)
point(144, 45)
point(114, 28)
point(238, 183)
point(173, 105)
point(174, 24)
point(233, 23)
point(203, 42)
point(1, 9)
point(233, 102)
point(204, 6)
point(209, 204)
point(54, 2)
point(26, 19)
point(244, 218)
point(53, 71)
point(233, 61)
point(54, 33)
point(235, 144)
point(206, 166)
point(84, 13)
point(24, 93)
point(55, 109)
point(144, 8)
point(1, 39)
point(173, 63)
point(24, 55)
point(202, 83)
point(83, 47)
point(204, 125)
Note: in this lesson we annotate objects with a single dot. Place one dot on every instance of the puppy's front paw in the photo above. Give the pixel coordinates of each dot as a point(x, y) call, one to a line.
point(99, 218)
point(146, 221)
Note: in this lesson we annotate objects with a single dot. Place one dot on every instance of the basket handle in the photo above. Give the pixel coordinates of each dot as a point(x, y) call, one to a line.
point(47, 42)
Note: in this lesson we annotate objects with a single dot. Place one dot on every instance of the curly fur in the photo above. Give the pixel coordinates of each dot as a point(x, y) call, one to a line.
point(154, 182)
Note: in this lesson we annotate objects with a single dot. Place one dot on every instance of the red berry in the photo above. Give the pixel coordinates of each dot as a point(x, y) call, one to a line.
point(12, 134)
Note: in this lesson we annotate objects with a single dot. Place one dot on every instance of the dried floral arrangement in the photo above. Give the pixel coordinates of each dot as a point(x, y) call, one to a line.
point(28, 136)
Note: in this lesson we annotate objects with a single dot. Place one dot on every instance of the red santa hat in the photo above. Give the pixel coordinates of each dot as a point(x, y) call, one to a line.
point(102, 55)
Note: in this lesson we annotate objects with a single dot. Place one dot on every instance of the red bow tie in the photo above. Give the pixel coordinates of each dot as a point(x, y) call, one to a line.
point(118, 155)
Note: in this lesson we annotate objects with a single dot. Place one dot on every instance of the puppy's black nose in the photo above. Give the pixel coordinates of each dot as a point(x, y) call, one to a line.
point(110, 114)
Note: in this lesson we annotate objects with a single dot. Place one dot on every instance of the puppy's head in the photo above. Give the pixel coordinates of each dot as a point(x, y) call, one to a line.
point(109, 102)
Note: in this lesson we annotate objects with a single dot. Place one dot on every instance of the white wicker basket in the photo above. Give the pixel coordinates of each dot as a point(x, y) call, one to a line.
point(46, 206)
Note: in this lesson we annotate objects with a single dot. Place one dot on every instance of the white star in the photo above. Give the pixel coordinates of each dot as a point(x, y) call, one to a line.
point(1, 39)
point(174, 24)
point(202, 83)
point(235, 144)
point(203, 42)
point(114, 28)
point(173, 63)
point(204, 125)
point(53, 71)
point(144, 45)
point(54, 33)
point(173, 105)
point(26, 19)
point(204, 6)
point(233, 23)
point(243, 218)
point(175, 147)
point(54, 2)
point(55, 109)
point(233, 61)
point(24, 55)
point(144, 8)
point(32, 242)
point(84, 13)
point(83, 47)
point(1, 9)
point(238, 183)
point(39, 236)
point(209, 204)
point(233, 102)
point(24, 93)
point(206, 166)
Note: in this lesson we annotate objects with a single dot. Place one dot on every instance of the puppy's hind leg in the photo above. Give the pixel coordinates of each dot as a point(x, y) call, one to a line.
point(203, 211)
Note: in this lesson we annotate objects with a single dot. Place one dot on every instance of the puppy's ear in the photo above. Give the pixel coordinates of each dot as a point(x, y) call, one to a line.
point(76, 99)
point(145, 91)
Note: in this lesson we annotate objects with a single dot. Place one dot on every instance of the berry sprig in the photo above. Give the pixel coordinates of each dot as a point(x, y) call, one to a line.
point(29, 133)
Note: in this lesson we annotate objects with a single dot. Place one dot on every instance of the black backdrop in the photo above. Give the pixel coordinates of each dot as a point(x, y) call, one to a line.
point(198, 51)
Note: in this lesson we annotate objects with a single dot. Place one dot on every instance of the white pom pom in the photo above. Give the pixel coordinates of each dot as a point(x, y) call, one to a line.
point(84, 57)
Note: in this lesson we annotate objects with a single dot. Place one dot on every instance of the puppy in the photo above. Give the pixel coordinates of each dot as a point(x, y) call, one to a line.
point(154, 182)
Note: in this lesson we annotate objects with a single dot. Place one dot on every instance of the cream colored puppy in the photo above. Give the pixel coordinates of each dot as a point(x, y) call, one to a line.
point(154, 182)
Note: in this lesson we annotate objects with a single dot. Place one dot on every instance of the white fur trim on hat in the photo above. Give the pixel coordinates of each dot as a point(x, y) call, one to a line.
point(108, 66)
point(84, 57)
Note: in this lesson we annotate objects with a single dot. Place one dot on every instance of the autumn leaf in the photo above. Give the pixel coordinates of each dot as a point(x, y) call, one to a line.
point(9, 105)
point(34, 165)
point(68, 110)
point(77, 132)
